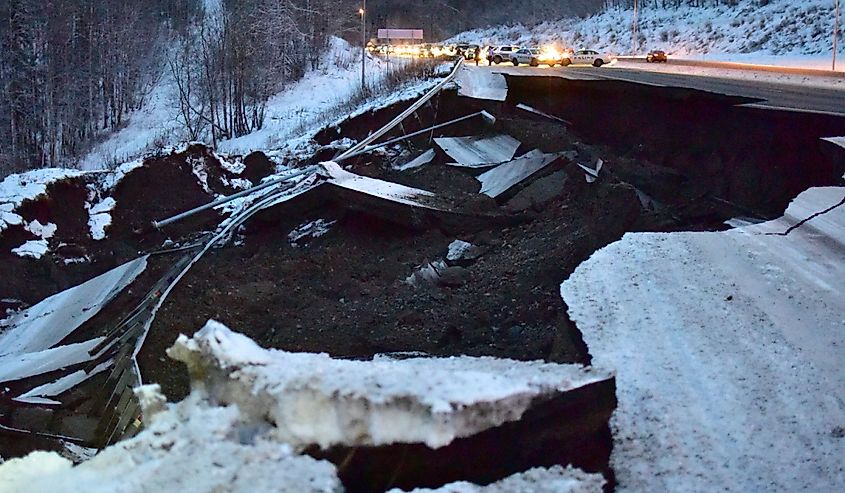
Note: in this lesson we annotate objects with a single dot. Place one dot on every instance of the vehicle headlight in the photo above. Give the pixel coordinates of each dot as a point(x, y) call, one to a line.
point(550, 54)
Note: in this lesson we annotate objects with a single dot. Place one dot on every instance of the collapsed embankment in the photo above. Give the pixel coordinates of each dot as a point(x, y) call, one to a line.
point(671, 160)
point(757, 159)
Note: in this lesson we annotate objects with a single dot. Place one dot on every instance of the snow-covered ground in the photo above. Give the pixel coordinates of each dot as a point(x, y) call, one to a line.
point(728, 348)
point(297, 106)
point(553, 480)
point(781, 32)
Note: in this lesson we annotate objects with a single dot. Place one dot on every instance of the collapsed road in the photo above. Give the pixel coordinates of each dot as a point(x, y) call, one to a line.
point(452, 242)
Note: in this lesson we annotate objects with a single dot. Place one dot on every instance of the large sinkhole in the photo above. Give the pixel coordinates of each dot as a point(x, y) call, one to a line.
point(675, 160)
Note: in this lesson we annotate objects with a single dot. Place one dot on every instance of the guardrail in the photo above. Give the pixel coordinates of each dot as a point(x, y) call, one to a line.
point(402, 116)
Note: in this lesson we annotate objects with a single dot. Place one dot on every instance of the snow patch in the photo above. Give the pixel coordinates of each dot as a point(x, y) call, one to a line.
point(34, 249)
point(191, 446)
point(556, 479)
point(784, 31)
point(99, 217)
point(15, 189)
point(309, 230)
point(43, 231)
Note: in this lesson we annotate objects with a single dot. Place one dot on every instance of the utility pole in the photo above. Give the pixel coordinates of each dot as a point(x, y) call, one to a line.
point(363, 12)
point(634, 30)
point(835, 31)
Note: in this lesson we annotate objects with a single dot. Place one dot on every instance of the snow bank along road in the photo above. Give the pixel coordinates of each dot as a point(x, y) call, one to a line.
point(729, 349)
point(765, 92)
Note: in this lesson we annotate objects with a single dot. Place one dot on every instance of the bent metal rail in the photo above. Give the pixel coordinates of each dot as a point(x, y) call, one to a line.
point(117, 419)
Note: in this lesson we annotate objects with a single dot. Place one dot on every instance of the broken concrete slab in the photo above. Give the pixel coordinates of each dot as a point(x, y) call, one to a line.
point(555, 479)
point(45, 324)
point(481, 84)
point(191, 446)
point(439, 274)
point(421, 160)
point(479, 152)
point(539, 192)
point(591, 174)
point(743, 326)
point(381, 189)
point(501, 181)
point(463, 253)
point(313, 399)
point(399, 204)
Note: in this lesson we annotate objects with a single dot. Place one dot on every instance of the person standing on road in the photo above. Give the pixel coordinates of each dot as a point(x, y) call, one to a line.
point(477, 55)
point(489, 55)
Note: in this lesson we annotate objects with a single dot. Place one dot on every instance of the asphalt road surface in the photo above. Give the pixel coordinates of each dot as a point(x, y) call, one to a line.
point(771, 95)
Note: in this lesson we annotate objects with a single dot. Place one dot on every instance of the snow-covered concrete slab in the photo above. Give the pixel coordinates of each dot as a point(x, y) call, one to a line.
point(373, 187)
point(503, 178)
point(190, 446)
point(555, 479)
point(18, 366)
point(48, 322)
point(479, 152)
point(421, 160)
point(481, 84)
point(314, 399)
point(728, 348)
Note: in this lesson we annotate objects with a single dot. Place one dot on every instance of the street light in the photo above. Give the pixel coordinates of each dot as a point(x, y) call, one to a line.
point(363, 13)
point(634, 30)
point(835, 30)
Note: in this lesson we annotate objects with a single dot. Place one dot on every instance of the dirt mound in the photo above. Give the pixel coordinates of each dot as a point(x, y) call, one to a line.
point(257, 167)
point(162, 187)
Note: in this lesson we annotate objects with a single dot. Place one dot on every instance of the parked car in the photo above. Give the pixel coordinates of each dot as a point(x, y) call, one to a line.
point(502, 54)
point(588, 57)
point(471, 51)
point(535, 57)
point(656, 56)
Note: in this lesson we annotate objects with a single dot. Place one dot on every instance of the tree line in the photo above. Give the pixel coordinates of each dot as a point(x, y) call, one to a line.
point(73, 69)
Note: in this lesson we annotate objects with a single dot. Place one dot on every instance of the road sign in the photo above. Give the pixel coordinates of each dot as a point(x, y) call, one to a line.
point(400, 34)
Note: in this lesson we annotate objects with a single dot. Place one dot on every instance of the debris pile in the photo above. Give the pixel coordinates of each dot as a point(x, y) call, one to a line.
point(253, 412)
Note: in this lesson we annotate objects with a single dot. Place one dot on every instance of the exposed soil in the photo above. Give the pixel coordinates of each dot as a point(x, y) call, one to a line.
point(345, 293)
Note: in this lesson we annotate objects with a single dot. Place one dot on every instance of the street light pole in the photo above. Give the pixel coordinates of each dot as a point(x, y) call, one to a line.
point(835, 31)
point(363, 12)
point(634, 31)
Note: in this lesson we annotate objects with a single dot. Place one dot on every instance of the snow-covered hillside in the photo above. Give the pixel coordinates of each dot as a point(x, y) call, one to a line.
point(781, 27)
point(157, 124)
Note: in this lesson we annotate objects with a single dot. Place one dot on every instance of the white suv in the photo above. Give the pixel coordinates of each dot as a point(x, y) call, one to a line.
point(502, 54)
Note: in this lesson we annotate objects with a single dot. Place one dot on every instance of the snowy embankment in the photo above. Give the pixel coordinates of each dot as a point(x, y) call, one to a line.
point(157, 124)
point(729, 349)
point(781, 32)
point(252, 411)
point(18, 190)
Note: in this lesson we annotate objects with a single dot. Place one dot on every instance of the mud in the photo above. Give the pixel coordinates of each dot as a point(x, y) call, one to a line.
point(345, 293)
